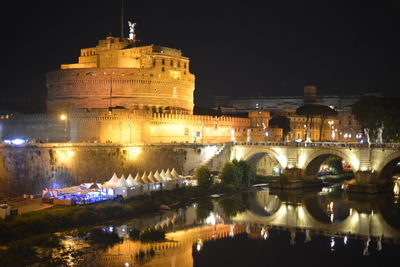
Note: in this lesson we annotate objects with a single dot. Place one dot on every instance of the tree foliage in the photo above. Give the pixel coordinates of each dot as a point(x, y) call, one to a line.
point(203, 175)
point(230, 174)
point(336, 164)
point(373, 112)
point(238, 174)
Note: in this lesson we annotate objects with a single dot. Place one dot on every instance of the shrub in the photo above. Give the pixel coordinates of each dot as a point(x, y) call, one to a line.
point(152, 235)
point(230, 174)
point(134, 234)
point(203, 175)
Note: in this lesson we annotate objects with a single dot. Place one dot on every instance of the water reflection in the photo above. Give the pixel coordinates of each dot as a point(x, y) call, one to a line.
point(328, 220)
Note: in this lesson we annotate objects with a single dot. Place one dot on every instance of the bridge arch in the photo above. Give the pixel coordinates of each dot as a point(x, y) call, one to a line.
point(253, 153)
point(388, 165)
point(255, 156)
point(314, 161)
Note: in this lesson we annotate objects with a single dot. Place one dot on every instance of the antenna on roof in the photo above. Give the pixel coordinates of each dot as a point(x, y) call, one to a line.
point(122, 18)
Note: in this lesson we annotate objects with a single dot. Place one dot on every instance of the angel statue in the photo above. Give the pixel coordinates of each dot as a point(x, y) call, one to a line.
point(131, 29)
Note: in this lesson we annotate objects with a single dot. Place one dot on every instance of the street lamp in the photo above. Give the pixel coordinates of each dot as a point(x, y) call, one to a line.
point(64, 118)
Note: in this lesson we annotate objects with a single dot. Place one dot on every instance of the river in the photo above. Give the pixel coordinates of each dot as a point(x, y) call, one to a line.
point(259, 228)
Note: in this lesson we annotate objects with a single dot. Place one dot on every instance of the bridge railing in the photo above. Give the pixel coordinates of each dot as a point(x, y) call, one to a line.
point(323, 144)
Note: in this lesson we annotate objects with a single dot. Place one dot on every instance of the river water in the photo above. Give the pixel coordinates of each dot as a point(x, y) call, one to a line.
point(260, 228)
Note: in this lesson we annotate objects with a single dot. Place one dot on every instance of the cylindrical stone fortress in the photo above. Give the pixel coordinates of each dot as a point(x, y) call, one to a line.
point(119, 73)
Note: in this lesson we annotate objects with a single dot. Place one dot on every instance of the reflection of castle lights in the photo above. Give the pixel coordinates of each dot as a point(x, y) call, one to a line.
point(396, 189)
point(332, 242)
point(264, 233)
point(345, 240)
point(199, 244)
point(231, 232)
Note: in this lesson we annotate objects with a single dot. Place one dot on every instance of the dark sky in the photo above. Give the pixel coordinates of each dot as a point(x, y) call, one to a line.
point(236, 47)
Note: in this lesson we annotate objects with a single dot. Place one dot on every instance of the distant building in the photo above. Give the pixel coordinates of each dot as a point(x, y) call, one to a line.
point(342, 128)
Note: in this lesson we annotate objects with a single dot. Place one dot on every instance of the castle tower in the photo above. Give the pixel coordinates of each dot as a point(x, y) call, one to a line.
point(122, 72)
point(310, 94)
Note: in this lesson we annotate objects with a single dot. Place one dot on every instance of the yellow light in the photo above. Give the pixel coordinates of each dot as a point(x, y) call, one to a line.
point(175, 74)
point(133, 152)
point(63, 117)
point(65, 155)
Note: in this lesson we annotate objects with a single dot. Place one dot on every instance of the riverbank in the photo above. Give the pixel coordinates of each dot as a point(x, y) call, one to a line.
point(57, 218)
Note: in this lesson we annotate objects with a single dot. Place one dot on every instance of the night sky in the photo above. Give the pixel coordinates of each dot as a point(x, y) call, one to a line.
point(238, 48)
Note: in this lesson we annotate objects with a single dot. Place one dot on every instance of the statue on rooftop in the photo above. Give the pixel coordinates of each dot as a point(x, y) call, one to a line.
point(131, 30)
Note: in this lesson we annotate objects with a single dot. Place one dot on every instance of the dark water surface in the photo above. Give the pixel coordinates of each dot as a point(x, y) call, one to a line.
point(262, 228)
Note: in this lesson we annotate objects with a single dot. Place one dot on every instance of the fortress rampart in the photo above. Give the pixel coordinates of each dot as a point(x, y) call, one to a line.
point(110, 87)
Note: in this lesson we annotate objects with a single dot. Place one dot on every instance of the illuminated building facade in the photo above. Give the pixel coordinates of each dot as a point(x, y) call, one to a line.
point(121, 72)
point(122, 91)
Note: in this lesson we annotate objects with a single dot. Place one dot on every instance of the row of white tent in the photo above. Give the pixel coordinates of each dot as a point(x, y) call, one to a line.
point(142, 183)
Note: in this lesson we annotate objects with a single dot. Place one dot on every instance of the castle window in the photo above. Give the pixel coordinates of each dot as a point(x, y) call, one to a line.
point(162, 69)
point(163, 61)
point(172, 63)
point(179, 64)
point(184, 65)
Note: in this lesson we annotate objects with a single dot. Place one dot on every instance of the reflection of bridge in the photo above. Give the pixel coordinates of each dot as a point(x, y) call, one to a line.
point(377, 161)
point(306, 216)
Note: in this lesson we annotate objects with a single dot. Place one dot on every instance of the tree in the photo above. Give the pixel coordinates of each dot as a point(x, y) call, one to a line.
point(369, 112)
point(246, 172)
point(336, 164)
point(203, 175)
point(230, 175)
point(204, 207)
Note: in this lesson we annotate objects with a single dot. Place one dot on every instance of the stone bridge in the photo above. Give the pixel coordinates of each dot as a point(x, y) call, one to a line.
point(372, 164)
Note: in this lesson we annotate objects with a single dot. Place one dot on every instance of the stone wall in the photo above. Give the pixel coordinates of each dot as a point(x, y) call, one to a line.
point(31, 168)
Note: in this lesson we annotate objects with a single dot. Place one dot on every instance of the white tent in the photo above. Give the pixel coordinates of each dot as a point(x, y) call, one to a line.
point(163, 176)
point(174, 174)
point(121, 182)
point(144, 178)
point(168, 175)
point(130, 181)
point(151, 178)
point(113, 180)
point(158, 177)
point(137, 179)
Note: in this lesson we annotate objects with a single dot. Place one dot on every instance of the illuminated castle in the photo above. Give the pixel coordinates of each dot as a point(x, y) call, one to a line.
point(122, 91)
point(120, 72)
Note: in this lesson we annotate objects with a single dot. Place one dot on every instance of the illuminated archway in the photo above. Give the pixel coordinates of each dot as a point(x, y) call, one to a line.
point(388, 167)
point(265, 163)
point(314, 161)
